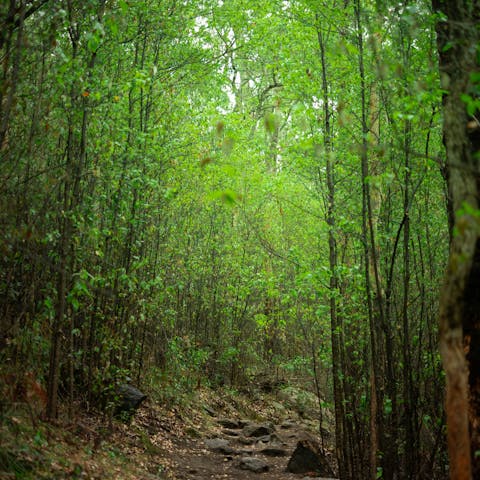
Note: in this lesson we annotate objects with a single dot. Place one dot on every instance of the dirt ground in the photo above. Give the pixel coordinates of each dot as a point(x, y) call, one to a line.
point(185, 455)
point(160, 443)
point(193, 460)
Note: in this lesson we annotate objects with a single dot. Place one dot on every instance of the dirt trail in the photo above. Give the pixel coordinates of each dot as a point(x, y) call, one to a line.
point(215, 449)
point(193, 459)
point(206, 438)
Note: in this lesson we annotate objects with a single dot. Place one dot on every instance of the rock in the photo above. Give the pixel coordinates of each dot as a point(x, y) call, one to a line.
point(275, 439)
point(257, 430)
point(274, 452)
point(247, 452)
point(230, 433)
point(128, 400)
point(272, 439)
point(253, 464)
point(230, 424)
point(308, 457)
point(219, 445)
point(246, 441)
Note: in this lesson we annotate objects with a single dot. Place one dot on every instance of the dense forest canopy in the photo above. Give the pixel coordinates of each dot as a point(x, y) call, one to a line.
point(217, 192)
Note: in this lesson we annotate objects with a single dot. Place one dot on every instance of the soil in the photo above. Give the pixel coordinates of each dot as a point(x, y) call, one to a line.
point(193, 460)
point(160, 443)
point(185, 449)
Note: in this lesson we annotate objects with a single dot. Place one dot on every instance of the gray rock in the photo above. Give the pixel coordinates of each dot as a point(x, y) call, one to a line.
point(257, 430)
point(228, 423)
point(128, 400)
point(274, 452)
point(219, 445)
point(275, 439)
point(264, 439)
point(246, 441)
point(253, 464)
point(308, 457)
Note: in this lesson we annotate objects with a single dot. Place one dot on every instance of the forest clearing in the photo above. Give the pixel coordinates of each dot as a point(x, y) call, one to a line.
point(240, 239)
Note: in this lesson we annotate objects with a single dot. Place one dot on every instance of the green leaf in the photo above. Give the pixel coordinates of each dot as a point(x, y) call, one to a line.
point(123, 6)
point(448, 46)
point(93, 42)
point(227, 146)
point(227, 196)
point(387, 406)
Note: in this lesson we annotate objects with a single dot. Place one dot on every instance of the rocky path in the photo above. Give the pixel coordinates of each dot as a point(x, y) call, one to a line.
point(217, 435)
point(245, 450)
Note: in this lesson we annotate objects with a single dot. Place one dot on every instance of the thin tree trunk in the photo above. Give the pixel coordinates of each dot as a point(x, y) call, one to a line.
point(369, 259)
point(410, 444)
point(342, 451)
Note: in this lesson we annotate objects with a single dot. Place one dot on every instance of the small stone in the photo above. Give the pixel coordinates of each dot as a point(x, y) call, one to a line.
point(246, 441)
point(252, 464)
point(219, 445)
point(274, 452)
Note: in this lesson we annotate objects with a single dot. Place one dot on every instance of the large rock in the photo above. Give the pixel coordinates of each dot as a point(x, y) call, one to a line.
point(308, 457)
point(128, 400)
point(253, 464)
point(257, 430)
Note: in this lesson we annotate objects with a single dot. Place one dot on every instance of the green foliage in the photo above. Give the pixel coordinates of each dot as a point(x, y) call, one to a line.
point(164, 198)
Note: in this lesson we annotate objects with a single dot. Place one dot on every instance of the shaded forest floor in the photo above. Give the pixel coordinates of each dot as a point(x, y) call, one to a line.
point(161, 442)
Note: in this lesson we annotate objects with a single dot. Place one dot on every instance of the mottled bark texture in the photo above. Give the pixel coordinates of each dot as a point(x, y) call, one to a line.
point(458, 39)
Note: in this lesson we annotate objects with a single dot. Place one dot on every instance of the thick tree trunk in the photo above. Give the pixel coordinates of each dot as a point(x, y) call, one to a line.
point(458, 40)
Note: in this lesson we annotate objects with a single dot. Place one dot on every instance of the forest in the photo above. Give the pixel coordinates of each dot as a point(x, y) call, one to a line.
point(220, 194)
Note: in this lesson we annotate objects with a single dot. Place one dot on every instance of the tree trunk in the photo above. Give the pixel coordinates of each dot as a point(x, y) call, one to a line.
point(458, 38)
point(373, 290)
point(344, 454)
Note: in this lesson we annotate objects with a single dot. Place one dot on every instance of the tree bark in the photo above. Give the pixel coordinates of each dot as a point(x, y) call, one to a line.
point(458, 39)
point(336, 324)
